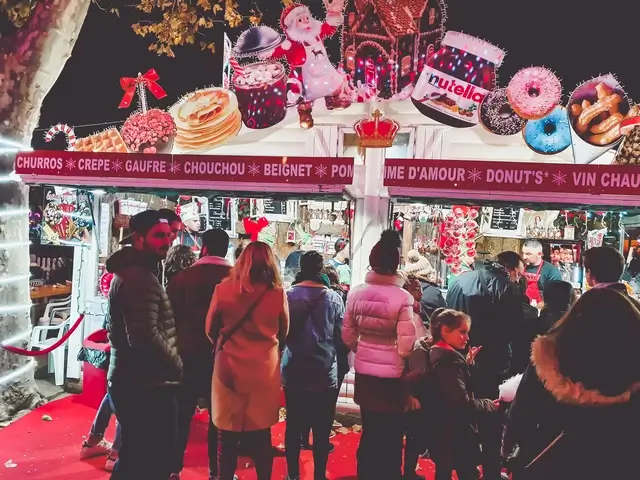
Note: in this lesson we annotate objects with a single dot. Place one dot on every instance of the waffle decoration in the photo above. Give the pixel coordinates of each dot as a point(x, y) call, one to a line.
point(106, 141)
point(376, 133)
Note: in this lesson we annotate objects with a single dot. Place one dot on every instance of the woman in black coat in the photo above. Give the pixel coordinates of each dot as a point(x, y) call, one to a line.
point(577, 410)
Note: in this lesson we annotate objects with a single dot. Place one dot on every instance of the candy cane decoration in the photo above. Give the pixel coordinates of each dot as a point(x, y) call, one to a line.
point(62, 128)
point(235, 66)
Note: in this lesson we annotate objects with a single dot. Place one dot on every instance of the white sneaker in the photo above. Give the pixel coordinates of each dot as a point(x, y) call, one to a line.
point(89, 451)
point(111, 462)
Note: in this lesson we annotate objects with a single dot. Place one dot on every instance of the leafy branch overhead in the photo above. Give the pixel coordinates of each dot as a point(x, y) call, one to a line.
point(167, 23)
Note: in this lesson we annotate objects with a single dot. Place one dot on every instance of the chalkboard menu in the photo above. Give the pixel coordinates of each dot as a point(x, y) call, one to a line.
point(505, 219)
point(220, 213)
point(274, 207)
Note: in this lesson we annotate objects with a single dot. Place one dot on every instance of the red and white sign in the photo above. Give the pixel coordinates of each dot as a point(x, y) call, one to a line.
point(215, 168)
point(512, 177)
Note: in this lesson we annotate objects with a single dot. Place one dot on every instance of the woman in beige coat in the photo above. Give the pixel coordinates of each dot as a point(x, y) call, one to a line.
point(248, 321)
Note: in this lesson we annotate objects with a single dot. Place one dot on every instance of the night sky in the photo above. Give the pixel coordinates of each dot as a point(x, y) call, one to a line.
point(578, 41)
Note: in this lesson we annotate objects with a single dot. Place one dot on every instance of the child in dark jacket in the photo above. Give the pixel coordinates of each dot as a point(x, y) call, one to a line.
point(454, 410)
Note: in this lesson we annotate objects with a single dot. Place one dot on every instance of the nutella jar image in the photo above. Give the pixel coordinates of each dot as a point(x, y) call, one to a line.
point(456, 79)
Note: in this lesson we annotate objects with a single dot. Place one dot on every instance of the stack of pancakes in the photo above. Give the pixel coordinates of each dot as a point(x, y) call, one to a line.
point(107, 141)
point(205, 119)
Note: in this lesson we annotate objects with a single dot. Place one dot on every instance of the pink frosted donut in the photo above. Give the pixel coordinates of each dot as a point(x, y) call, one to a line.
point(534, 92)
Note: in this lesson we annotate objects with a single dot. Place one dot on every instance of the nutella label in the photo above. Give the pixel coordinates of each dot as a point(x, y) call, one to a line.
point(451, 96)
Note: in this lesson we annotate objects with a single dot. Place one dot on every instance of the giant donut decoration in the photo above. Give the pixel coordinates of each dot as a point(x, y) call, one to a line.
point(62, 128)
point(534, 92)
point(549, 135)
point(497, 116)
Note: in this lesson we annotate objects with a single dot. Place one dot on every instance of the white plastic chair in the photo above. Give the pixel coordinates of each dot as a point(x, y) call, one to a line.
point(49, 311)
point(56, 361)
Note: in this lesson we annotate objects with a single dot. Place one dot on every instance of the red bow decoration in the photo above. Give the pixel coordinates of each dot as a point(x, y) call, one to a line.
point(254, 228)
point(149, 80)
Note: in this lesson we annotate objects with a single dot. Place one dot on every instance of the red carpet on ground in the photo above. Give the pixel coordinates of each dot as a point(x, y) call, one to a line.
point(32, 448)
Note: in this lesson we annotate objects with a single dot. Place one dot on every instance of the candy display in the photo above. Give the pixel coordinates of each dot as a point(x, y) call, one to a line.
point(459, 232)
point(548, 135)
point(497, 116)
point(629, 151)
point(107, 141)
point(595, 111)
point(261, 89)
point(205, 119)
point(66, 130)
point(534, 92)
point(385, 45)
point(150, 132)
point(456, 80)
point(66, 217)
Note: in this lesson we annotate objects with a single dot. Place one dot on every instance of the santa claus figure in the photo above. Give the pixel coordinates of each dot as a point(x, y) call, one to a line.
point(190, 235)
point(307, 56)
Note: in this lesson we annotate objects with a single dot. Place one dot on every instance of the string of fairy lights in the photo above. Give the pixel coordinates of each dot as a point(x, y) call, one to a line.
point(7, 279)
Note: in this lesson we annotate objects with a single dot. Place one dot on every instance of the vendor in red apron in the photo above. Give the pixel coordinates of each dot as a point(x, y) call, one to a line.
point(538, 271)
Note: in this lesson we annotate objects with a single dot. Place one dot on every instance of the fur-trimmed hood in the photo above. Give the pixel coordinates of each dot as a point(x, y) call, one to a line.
point(563, 389)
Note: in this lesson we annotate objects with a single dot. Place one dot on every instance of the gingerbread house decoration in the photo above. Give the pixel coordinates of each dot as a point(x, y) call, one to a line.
point(385, 43)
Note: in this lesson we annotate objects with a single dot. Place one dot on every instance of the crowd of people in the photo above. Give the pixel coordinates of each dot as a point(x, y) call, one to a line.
point(428, 369)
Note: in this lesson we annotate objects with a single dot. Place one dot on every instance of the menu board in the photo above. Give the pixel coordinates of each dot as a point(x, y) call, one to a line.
point(505, 222)
point(274, 207)
point(67, 217)
point(220, 213)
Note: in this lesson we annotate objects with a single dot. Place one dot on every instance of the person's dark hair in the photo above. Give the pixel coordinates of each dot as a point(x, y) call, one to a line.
point(385, 255)
point(509, 260)
point(238, 251)
point(580, 334)
point(216, 242)
point(169, 215)
point(332, 273)
point(311, 263)
point(447, 317)
point(179, 258)
point(340, 245)
point(559, 295)
point(604, 263)
point(391, 237)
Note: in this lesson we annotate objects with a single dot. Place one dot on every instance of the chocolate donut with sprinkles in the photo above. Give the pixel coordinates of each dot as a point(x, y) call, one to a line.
point(534, 92)
point(549, 135)
point(497, 116)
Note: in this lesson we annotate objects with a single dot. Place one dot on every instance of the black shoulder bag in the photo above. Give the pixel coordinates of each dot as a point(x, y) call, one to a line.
point(225, 338)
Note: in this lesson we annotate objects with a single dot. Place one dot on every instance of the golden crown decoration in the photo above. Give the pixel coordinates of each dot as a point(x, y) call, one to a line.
point(376, 132)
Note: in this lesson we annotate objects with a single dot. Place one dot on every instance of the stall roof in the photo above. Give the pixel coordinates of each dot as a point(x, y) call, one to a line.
point(513, 183)
point(231, 175)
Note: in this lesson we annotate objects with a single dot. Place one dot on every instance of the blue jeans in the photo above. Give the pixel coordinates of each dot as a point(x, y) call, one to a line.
point(101, 422)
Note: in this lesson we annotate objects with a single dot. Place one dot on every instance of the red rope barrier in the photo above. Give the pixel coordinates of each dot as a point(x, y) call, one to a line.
point(49, 349)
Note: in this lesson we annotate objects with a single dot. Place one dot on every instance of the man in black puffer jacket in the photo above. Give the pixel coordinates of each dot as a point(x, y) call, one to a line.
point(145, 369)
point(490, 296)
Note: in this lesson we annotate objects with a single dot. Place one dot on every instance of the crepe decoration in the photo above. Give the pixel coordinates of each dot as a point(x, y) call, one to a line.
point(206, 119)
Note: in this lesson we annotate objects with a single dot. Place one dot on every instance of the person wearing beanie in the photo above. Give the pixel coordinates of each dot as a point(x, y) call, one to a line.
point(419, 266)
point(379, 328)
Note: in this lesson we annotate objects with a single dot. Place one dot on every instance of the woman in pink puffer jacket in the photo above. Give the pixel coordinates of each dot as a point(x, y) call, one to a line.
point(378, 327)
